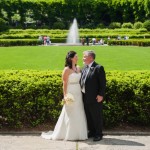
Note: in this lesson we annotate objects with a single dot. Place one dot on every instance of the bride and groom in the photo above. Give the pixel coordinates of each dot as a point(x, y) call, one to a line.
point(82, 118)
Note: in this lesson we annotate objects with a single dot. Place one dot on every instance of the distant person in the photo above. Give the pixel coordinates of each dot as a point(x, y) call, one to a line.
point(126, 37)
point(118, 37)
point(48, 42)
point(40, 39)
point(87, 40)
point(82, 41)
point(94, 41)
point(45, 38)
point(108, 38)
point(101, 42)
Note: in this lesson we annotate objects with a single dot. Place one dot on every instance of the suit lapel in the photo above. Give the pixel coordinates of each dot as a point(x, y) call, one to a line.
point(91, 70)
point(82, 71)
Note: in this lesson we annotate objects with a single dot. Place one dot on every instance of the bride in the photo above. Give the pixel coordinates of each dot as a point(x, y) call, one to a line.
point(71, 124)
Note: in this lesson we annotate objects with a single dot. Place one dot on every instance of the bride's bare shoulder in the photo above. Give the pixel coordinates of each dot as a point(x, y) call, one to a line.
point(66, 70)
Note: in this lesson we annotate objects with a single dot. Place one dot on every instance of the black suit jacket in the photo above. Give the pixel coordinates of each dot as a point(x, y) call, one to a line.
point(95, 83)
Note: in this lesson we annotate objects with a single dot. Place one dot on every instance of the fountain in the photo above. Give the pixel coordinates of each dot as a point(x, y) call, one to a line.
point(73, 35)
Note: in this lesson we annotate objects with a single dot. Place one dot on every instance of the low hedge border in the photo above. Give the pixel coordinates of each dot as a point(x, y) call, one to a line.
point(34, 42)
point(30, 97)
point(19, 42)
point(133, 42)
point(27, 42)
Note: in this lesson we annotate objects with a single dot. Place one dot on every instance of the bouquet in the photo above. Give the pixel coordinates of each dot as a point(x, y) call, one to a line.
point(68, 99)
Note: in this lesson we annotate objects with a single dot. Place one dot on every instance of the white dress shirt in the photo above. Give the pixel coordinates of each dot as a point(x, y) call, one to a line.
point(89, 66)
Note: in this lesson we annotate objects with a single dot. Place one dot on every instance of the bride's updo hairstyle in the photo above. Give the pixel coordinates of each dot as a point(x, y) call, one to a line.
point(68, 62)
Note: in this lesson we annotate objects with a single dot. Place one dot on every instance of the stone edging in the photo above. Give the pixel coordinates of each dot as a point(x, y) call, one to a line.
point(35, 133)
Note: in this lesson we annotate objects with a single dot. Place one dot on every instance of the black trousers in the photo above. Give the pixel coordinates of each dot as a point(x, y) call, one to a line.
point(93, 113)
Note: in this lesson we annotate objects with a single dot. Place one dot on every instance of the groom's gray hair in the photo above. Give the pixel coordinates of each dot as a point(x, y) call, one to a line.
point(90, 53)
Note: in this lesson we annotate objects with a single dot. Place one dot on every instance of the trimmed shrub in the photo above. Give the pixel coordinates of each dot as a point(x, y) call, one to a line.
point(138, 25)
point(127, 25)
point(19, 42)
point(101, 26)
point(29, 97)
point(147, 25)
point(140, 42)
point(26, 42)
point(30, 36)
point(32, 97)
point(115, 25)
point(127, 98)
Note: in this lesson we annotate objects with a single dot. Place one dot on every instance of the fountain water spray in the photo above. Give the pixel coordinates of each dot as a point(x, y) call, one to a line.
point(73, 35)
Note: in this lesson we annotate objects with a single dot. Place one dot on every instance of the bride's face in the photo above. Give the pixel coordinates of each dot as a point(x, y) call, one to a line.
point(75, 59)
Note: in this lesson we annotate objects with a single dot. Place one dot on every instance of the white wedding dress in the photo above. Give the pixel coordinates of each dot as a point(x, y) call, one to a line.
point(71, 124)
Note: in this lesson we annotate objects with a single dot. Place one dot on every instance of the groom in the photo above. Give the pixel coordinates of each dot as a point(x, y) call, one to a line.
point(93, 84)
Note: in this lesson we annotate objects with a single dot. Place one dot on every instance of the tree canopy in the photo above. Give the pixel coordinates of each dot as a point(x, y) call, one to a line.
point(89, 13)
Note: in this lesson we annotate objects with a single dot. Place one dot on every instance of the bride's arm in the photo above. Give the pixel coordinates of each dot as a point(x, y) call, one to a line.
point(65, 76)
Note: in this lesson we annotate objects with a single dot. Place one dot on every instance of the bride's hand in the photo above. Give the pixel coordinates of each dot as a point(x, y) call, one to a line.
point(63, 101)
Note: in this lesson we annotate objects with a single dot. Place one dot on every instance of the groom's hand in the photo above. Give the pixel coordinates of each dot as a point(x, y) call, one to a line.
point(99, 98)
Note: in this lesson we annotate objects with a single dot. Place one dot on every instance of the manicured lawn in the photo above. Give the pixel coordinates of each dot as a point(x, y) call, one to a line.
point(53, 57)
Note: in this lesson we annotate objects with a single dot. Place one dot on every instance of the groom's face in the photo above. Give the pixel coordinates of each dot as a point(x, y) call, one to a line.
point(87, 59)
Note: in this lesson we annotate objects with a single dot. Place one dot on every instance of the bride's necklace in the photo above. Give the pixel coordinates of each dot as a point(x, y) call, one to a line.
point(75, 70)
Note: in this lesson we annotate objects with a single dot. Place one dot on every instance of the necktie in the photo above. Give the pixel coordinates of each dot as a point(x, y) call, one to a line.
point(84, 76)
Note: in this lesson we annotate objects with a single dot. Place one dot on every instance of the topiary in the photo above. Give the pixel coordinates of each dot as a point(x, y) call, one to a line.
point(101, 26)
point(128, 25)
point(147, 25)
point(114, 25)
point(138, 25)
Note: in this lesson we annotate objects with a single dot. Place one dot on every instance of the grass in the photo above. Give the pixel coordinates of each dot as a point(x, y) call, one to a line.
point(53, 57)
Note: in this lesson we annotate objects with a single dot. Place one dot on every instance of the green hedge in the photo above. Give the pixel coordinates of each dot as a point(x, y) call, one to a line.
point(32, 97)
point(18, 37)
point(19, 42)
point(29, 97)
point(33, 42)
point(27, 42)
point(90, 35)
point(140, 42)
point(97, 33)
point(127, 98)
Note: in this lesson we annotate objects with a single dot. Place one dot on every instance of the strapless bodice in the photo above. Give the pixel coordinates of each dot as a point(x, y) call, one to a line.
point(74, 78)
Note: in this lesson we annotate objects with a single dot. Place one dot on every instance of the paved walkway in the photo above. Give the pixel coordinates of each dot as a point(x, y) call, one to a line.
point(109, 142)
